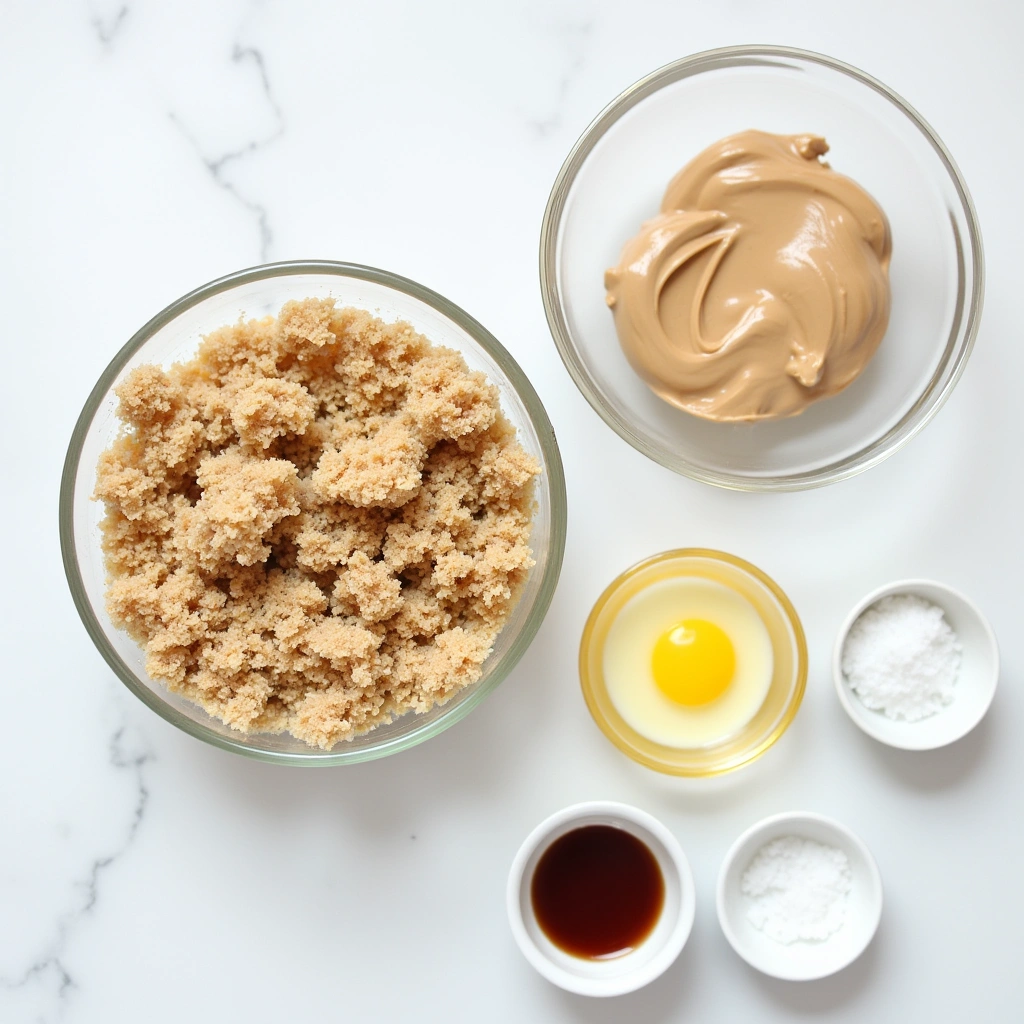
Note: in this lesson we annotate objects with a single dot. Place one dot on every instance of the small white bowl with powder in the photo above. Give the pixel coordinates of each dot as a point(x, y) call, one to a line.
point(915, 665)
point(799, 896)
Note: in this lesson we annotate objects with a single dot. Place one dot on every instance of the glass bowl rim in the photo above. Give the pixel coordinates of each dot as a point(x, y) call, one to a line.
point(341, 753)
point(800, 663)
point(914, 419)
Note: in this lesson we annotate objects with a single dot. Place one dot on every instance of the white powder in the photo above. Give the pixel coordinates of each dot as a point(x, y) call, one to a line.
point(902, 658)
point(798, 889)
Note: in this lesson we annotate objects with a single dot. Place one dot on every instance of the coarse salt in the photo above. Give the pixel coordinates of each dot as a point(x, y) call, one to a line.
point(901, 657)
point(798, 889)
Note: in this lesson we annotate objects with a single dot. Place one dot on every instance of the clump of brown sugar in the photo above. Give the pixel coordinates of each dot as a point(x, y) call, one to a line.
point(318, 523)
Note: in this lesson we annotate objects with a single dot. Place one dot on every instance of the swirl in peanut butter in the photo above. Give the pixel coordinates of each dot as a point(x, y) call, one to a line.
point(762, 286)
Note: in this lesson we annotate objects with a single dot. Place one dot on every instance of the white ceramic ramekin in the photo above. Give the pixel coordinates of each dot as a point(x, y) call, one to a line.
point(654, 955)
point(800, 961)
point(975, 686)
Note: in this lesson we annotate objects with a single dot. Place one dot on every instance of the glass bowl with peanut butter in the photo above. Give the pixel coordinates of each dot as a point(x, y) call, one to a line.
point(762, 268)
point(313, 513)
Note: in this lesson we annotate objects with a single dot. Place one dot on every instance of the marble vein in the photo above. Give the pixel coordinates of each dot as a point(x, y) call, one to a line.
point(107, 28)
point(219, 166)
point(573, 37)
point(48, 968)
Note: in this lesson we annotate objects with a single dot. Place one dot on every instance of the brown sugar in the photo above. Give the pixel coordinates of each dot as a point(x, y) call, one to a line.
point(318, 523)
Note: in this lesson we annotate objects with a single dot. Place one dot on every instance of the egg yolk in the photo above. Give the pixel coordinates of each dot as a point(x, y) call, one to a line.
point(693, 662)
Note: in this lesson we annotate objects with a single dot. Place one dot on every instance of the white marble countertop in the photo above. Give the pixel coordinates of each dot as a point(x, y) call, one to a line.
point(152, 146)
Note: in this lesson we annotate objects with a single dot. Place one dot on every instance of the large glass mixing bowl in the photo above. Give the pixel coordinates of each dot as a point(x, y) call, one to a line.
point(173, 336)
point(613, 180)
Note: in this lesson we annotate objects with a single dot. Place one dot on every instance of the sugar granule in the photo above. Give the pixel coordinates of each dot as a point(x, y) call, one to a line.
point(320, 522)
point(798, 889)
point(901, 657)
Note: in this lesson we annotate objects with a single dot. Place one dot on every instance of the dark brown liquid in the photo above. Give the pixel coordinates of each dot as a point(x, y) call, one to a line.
point(597, 892)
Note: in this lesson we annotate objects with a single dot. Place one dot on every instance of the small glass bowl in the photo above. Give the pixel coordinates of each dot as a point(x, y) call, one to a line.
point(789, 674)
point(173, 336)
point(613, 180)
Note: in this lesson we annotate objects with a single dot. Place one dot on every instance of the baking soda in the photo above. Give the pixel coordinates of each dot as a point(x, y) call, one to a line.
point(901, 657)
point(798, 889)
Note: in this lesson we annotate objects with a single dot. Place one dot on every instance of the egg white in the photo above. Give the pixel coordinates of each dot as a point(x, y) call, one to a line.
point(629, 678)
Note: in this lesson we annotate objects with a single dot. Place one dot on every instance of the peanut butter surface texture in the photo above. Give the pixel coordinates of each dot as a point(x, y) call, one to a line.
point(320, 522)
point(761, 287)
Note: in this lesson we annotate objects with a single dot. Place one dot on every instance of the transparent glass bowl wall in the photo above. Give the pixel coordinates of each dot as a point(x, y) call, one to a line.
point(613, 180)
point(172, 336)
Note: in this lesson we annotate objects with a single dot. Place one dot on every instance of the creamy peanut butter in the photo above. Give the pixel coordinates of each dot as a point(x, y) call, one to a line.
point(762, 286)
